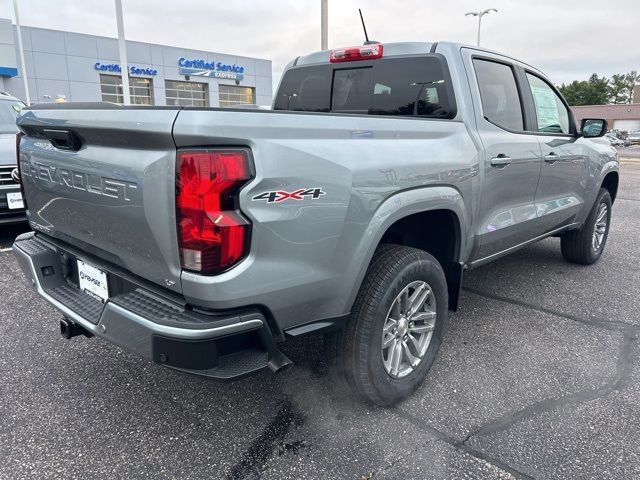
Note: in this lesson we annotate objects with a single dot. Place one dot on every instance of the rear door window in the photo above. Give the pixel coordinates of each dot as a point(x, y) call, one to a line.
point(405, 86)
point(499, 94)
point(411, 86)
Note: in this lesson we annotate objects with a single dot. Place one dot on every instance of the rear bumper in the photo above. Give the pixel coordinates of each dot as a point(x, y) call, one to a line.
point(223, 346)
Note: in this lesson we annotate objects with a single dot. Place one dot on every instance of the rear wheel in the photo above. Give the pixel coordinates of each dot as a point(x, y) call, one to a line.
point(585, 246)
point(396, 326)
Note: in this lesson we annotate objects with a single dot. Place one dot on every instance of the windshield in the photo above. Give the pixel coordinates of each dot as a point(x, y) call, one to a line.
point(9, 111)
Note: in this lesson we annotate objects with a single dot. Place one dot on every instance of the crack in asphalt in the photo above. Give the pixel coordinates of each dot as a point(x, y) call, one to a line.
point(461, 446)
point(611, 325)
point(619, 381)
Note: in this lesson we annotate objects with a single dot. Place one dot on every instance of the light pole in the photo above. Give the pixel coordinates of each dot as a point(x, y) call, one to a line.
point(122, 46)
point(324, 24)
point(480, 14)
point(21, 52)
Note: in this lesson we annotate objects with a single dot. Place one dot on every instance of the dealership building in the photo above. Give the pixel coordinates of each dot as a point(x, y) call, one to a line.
point(73, 67)
point(623, 117)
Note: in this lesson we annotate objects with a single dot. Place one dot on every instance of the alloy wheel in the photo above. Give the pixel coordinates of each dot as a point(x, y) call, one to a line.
point(602, 218)
point(408, 329)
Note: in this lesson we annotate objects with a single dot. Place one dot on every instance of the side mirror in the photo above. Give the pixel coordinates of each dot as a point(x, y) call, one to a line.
point(593, 127)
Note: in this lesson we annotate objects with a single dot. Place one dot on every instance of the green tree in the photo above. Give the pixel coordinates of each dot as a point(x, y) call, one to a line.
point(594, 91)
point(621, 86)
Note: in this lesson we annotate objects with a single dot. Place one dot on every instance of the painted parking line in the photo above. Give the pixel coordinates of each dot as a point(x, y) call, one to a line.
point(6, 249)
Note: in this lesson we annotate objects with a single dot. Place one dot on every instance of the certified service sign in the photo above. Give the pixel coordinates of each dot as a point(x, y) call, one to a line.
point(202, 68)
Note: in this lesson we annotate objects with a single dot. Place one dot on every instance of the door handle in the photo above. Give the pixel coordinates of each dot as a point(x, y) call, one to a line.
point(551, 158)
point(500, 161)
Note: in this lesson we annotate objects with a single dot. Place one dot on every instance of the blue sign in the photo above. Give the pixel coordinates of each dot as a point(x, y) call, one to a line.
point(202, 68)
point(8, 71)
point(133, 70)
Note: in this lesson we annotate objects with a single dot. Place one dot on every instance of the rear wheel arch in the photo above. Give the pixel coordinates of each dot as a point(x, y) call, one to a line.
point(437, 232)
point(399, 208)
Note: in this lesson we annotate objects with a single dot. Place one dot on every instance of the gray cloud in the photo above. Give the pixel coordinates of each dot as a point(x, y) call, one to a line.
point(567, 39)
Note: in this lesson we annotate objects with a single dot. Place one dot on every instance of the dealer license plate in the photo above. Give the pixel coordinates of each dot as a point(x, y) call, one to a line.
point(14, 200)
point(93, 280)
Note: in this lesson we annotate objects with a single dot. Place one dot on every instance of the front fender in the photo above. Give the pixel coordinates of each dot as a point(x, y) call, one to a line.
point(600, 167)
point(399, 206)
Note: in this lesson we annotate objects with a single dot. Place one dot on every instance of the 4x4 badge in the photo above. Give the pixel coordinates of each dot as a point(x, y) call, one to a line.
point(282, 195)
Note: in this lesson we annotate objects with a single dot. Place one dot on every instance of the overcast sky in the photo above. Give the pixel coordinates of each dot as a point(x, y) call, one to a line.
point(567, 39)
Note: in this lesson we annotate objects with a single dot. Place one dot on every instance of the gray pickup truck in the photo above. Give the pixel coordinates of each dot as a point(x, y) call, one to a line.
point(204, 238)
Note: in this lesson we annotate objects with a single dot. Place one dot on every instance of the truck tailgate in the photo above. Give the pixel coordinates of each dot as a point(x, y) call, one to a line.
point(102, 178)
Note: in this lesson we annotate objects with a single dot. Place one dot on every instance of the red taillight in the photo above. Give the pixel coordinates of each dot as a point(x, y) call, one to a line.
point(350, 54)
point(19, 136)
point(212, 233)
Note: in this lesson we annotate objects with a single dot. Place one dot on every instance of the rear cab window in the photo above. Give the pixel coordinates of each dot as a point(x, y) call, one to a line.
point(417, 86)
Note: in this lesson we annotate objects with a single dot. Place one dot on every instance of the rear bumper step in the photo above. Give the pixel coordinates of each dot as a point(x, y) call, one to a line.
point(223, 346)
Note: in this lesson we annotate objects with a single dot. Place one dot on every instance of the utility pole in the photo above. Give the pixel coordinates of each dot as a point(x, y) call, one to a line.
point(480, 14)
point(124, 66)
point(324, 24)
point(21, 50)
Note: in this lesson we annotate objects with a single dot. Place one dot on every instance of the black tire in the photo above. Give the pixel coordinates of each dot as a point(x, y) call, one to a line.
point(577, 245)
point(355, 353)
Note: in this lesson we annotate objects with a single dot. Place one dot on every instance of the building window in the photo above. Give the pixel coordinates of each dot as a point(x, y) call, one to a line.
point(188, 94)
point(140, 89)
point(232, 95)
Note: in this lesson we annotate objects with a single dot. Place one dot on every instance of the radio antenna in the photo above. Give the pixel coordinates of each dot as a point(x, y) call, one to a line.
point(364, 27)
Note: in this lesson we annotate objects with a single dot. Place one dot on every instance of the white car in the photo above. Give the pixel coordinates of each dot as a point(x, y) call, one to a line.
point(11, 204)
point(613, 140)
point(633, 137)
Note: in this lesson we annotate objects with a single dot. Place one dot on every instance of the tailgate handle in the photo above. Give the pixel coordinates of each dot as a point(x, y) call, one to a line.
point(62, 139)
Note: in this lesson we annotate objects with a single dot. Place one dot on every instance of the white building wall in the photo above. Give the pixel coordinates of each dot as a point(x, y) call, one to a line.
point(62, 64)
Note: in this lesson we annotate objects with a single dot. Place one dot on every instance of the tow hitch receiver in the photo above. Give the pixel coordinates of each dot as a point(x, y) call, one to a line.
point(69, 329)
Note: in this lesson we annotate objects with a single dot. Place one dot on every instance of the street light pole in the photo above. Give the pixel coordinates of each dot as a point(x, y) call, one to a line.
point(480, 14)
point(124, 67)
point(21, 51)
point(324, 24)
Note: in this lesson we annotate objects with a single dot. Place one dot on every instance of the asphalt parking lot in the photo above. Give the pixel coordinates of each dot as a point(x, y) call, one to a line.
point(538, 377)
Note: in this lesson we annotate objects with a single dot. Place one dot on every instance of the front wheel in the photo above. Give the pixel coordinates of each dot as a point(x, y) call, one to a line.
point(396, 326)
point(585, 246)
